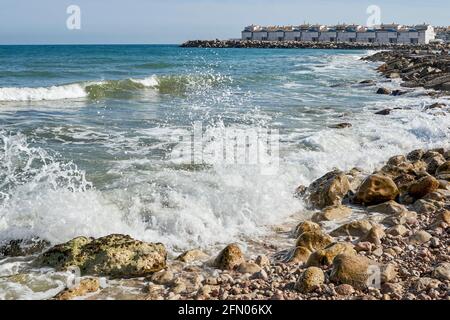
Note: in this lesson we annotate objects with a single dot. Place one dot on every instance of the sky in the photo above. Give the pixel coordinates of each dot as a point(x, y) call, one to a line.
point(175, 21)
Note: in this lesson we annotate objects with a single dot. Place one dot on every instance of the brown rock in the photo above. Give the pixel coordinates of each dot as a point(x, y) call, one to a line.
point(442, 272)
point(442, 218)
point(299, 255)
point(423, 186)
point(390, 207)
point(357, 228)
point(405, 217)
point(85, 286)
point(420, 237)
point(333, 213)
point(328, 190)
point(306, 226)
point(376, 189)
point(398, 230)
point(443, 171)
point(434, 162)
point(345, 290)
point(192, 256)
point(375, 235)
point(353, 270)
point(415, 155)
point(314, 240)
point(325, 257)
point(310, 279)
point(229, 258)
point(249, 267)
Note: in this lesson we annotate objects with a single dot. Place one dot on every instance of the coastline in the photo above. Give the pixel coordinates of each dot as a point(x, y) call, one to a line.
point(286, 276)
point(216, 44)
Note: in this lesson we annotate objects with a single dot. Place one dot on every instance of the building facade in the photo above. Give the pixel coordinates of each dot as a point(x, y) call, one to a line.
point(386, 33)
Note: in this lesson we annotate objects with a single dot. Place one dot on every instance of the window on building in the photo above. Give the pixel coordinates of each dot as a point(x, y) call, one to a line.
point(332, 39)
point(264, 38)
point(414, 40)
point(371, 40)
point(280, 38)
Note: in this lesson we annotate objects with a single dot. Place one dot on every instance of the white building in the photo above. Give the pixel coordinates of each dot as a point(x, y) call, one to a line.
point(386, 33)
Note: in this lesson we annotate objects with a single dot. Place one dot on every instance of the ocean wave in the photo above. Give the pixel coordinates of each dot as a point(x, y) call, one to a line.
point(119, 89)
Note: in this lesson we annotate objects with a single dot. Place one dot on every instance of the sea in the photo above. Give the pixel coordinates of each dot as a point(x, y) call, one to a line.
point(88, 136)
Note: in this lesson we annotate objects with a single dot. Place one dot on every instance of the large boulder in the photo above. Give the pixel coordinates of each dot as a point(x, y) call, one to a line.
point(434, 161)
point(117, 256)
point(298, 255)
point(328, 190)
point(325, 256)
point(376, 189)
point(353, 270)
point(314, 240)
point(229, 258)
point(423, 186)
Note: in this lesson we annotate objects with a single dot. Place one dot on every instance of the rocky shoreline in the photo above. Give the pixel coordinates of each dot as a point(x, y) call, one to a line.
point(307, 45)
point(381, 235)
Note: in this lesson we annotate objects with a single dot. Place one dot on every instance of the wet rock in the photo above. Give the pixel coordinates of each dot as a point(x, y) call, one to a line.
point(229, 258)
point(434, 162)
point(420, 237)
point(117, 256)
point(352, 269)
point(435, 106)
point(85, 287)
point(306, 226)
point(357, 228)
point(415, 155)
point(310, 280)
point(332, 213)
point(314, 240)
point(23, 247)
point(249, 267)
point(341, 125)
point(390, 207)
point(384, 112)
point(376, 189)
point(383, 91)
point(423, 186)
point(442, 272)
point(325, 257)
point(328, 190)
point(192, 256)
point(396, 160)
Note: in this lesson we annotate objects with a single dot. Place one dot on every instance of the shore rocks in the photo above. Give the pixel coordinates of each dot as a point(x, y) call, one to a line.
point(423, 186)
point(420, 237)
point(328, 190)
point(376, 189)
point(390, 208)
point(314, 240)
point(299, 255)
point(352, 270)
point(114, 255)
point(85, 286)
point(333, 213)
point(192, 256)
point(229, 258)
point(325, 257)
point(310, 280)
point(357, 228)
point(23, 247)
point(384, 91)
point(306, 226)
point(442, 272)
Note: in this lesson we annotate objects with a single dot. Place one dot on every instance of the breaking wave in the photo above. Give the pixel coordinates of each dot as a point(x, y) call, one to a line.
point(118, 89)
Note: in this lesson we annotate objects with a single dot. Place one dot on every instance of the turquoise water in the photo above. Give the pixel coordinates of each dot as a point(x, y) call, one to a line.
point(88, 133)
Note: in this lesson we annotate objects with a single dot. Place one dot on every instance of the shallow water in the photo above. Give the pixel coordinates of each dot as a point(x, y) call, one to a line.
point(88, 135)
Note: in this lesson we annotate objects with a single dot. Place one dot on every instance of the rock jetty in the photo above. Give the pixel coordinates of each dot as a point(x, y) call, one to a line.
point(305, 45)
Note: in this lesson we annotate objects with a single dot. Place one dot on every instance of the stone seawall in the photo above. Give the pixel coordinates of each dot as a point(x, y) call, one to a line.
point(305, 45)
